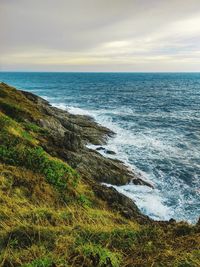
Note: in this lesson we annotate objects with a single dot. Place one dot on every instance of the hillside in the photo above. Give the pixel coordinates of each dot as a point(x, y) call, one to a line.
point(54, 210)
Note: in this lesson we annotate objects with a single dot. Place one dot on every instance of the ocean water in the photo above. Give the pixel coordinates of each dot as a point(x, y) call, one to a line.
point(156, 117)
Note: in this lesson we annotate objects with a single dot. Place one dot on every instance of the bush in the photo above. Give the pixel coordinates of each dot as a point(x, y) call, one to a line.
point(36, 159)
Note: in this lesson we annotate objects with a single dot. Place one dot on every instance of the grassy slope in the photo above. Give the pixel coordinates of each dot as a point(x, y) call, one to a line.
point(49, 216)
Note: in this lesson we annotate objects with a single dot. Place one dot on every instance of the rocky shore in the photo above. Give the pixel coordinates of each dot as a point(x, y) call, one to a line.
point(55, 211)
point(68, 136)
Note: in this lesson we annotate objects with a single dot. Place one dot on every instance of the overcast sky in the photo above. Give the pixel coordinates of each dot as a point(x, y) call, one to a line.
point(100, 35)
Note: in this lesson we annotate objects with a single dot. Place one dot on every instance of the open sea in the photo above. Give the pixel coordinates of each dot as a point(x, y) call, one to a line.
point(156, 117)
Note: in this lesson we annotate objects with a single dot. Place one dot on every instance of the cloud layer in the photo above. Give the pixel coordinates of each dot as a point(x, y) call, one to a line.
point(100, 35)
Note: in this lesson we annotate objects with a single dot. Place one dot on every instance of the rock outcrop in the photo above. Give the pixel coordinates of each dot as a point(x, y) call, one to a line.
point(68, 136)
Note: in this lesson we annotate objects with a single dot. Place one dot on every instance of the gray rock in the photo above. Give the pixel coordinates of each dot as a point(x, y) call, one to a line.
point(68, 135)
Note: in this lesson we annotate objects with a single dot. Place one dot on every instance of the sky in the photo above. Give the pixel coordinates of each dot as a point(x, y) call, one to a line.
point(100, 35)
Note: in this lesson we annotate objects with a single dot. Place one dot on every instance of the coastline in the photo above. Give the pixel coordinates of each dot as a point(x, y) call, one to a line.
point(54, 202)
point(91, 133)
point(141, 195)
point(68, 137)
point(156, 142)
point(107, 171)
point(87, 140)
point(124, 174)
point(102, 149)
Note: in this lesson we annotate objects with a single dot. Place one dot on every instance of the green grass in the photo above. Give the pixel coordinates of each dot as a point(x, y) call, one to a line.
point(56, 172)
point(31, 127)
point(18, 149)
point(45, 262)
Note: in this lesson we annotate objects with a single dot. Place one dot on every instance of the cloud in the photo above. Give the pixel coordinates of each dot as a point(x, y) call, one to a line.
point(99, 35)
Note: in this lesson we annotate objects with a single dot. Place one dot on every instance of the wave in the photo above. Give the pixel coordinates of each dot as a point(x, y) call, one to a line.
point(141, 195)
point(148, 201)
point(140, 151)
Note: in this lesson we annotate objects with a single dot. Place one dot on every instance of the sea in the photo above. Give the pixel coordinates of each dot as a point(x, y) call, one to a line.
point(156, 118)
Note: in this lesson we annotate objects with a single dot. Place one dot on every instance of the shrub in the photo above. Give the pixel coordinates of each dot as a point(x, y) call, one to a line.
point(36, 159)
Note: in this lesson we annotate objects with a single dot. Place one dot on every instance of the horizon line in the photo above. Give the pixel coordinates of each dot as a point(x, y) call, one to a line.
point(29, 71)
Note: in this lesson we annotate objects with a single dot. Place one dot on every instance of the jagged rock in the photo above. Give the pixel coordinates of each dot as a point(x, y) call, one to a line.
point(120, 203)
point(105, 150)
point(110, 152)
point(68, 134)
point(100, 148)
point(72, 141)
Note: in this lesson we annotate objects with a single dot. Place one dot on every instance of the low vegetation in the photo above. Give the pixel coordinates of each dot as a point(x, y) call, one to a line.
point(50, 216)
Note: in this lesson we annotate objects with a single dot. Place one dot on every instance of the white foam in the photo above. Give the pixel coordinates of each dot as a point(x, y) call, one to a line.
point(79, 111)
point(148, 200)
point(103, 151)
point(143, 146)
point(62, 106)
point(72, 109)
point(48, 98)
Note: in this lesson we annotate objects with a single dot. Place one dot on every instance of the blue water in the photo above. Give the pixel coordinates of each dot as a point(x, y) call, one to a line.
point(157, 121)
